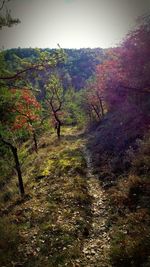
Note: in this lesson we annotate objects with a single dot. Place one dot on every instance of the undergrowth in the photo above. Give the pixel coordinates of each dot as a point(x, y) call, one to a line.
point(130, 218)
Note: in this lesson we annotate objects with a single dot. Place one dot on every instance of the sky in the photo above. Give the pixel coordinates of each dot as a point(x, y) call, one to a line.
point(71, 23)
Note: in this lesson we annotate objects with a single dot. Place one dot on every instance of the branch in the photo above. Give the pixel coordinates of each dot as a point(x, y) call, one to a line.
point(50, 101)
point(17, 87)
point(6, 142)
point(94, 108)
point(52, 106)
point(45, 64)
point(56, 93)
point(55, 112)
point(16, 75)
point(100, 102)
point(43, 119)
point(26, 116)
point(2, 5)
point(58, 99)
point(59, 107)
point(137, 90)
point(22, 114)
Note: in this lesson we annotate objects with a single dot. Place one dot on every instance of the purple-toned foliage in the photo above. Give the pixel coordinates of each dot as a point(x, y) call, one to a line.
point(123, 82)
point(125, 74)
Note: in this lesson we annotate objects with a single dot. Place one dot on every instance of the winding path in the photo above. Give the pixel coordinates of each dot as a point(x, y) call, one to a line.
point(96, 247)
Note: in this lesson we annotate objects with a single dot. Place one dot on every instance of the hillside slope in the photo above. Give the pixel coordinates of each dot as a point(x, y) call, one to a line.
point(120, 148)
point(62, 221)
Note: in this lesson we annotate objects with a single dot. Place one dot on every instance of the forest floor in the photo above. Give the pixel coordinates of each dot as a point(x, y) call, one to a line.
point(63, 220)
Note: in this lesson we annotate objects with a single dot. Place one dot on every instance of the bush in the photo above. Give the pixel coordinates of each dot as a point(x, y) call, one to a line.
point(131, 197)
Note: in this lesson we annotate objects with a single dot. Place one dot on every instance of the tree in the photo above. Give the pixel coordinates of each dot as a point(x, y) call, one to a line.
point(27, 113)
point(7, 137)
point(19, 111)
point(54, 99)
point(43, 62)
point(94, 99)
point(74, 113)
point(124, 75)
point(19, 108)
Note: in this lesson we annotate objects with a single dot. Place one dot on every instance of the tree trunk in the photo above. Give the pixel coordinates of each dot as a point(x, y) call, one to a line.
point(18, 169)
point(58, 125)
point(101, 104)
point(102, 109)
point(58, 129)
point(96, 112)
point(58, 122)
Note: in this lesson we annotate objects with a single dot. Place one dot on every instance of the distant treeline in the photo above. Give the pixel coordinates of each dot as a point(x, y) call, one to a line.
point(80, 63)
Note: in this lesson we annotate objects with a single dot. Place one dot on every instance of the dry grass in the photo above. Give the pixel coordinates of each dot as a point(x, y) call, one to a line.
point(51, 220)
point(130, 217)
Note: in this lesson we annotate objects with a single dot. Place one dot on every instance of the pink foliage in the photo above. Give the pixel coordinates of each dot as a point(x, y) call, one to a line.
point(127, 68)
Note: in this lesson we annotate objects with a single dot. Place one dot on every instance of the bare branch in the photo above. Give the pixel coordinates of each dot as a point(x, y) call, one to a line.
point(96, 111)
point(2, 5)
point(16, 75)
point(5, 142)
point(137, 90)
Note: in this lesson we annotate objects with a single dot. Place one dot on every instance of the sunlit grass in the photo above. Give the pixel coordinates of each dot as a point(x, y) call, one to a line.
point(52, 218)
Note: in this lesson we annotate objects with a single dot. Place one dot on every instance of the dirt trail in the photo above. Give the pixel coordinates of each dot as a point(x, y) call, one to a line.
point(96, 246)
point(64, 220)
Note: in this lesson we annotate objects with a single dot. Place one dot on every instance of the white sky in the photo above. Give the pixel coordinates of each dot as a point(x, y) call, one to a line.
point(71, 23)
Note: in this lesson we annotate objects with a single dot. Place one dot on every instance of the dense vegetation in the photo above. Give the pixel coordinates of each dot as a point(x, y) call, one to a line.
point(79, 66)
point(50, 101)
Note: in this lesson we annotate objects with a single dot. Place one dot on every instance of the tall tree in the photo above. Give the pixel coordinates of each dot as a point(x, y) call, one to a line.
point(94, 99)
point(7, 137)
point(27, 110)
